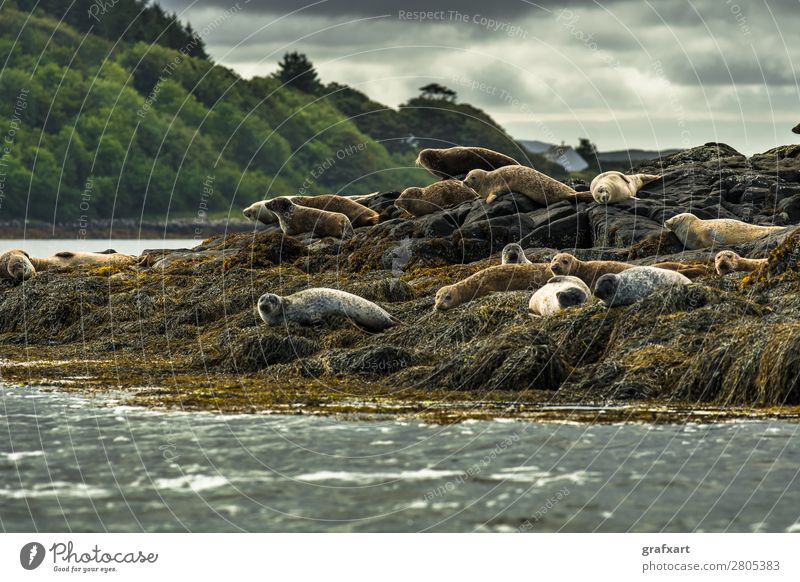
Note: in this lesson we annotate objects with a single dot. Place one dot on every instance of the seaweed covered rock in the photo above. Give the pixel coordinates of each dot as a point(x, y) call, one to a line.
point(521, 358)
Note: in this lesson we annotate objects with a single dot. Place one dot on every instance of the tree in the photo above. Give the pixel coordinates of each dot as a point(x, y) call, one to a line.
point(586, 149)
point(297, 71)
point(437, 91)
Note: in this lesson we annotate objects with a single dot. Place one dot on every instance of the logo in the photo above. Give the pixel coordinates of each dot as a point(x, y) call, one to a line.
point(31, 555)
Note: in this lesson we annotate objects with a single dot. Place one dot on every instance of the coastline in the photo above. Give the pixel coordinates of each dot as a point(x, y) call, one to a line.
point(124, 228)
point(180, 331)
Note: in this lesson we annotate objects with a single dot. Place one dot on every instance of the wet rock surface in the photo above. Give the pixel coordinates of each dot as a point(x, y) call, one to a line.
point(732, 340)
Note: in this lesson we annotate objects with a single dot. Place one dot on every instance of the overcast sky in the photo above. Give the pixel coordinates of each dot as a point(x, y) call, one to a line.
point(627, 73)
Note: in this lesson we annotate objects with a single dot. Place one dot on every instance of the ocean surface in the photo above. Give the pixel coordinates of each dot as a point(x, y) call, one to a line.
point(131, 246)
point(71, 463)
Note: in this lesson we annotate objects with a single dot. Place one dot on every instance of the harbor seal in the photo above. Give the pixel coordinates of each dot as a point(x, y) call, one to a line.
point(312, 306)
point(15, 265)
point(634, 284)
point(295, 219)
point(437, 196)
point(613, 187)
point(70, 259)
point(696, 233)
point(513, 254)
point(559, 293)
point(490, 280)
point(539, 187)
point(729, 262)
point(258, 212)
point(589, 272)
point(456, 162)
point(358, 214)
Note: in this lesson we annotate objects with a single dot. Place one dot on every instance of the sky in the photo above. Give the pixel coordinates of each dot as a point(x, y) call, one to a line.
point(652, 74)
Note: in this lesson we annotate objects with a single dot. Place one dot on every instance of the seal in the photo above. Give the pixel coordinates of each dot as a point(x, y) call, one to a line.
point(358, 214)
point(613, 187)
point(69, 259)
point(456, 162)
point(729, 262)
point(634, 284)
point(539, 187)
point(295, 219)
point(490, 280)
point(559, 293)
point(15, 265)
point(514, 255)
point(589, 272)
point(438, 196)
point(696, 233)
point(259, 212)
point(312, 306)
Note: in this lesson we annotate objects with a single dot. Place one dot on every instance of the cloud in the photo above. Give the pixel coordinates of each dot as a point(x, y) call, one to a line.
point(632, 70)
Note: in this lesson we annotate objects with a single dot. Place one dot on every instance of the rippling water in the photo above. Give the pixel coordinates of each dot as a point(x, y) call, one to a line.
point(67, 463)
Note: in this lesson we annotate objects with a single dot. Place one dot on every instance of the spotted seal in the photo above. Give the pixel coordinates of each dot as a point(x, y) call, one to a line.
point(539, 187)
point(497, 278)
point(312, 306)
point(457, 161)
point(559, 293)
point(696, 233)
point(634, 284)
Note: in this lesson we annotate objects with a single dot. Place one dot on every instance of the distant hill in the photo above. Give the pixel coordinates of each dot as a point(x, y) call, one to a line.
point(634, 155)
point(146, 125)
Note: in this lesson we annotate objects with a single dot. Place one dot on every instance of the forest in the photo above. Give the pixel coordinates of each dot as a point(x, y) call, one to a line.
point(129, 117)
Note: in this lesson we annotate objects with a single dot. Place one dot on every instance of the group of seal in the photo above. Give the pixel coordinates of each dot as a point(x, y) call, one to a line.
point(17, 265)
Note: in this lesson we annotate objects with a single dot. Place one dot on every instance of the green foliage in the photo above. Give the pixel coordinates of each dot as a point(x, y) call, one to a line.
point(99, 128)
point(297, 71)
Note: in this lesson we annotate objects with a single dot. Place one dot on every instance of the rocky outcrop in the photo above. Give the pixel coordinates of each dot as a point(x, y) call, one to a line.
point(725, 340)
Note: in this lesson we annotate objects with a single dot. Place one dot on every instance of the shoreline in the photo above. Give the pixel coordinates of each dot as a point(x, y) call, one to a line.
point(127, 228)
point(180, 331)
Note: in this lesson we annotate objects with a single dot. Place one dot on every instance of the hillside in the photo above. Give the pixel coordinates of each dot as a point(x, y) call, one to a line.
point(101, 129)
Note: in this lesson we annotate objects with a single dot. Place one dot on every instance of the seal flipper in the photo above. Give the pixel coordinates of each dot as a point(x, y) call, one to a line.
point(65, 254)
point(108, 252)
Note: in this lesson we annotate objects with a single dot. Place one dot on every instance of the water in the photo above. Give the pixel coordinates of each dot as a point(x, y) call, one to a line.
point(67, 463)
point(130, 246)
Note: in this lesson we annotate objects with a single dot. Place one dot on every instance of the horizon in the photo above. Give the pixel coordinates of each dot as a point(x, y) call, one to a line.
point(731, 80)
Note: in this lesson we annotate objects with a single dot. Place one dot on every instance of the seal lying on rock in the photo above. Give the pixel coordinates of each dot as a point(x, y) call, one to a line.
point(590, 271)
point(559, 293)
point(358, 214)
point(437, 196)
point(312, 306)
point(457, 161)
point(15, 265)
point(513, 254)
point(696, 233)
point(490, 280)
point(729, 262)
point(295, 219)
point(613, 187)
point(634, 284)
point(70, 259)
point(587, 271)
point(539, 187)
